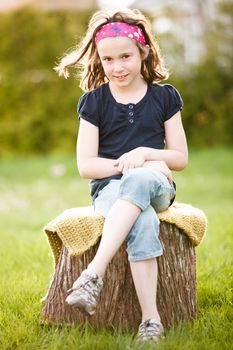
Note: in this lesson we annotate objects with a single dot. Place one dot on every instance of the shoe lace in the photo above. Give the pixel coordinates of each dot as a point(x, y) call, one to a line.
point(88, 283)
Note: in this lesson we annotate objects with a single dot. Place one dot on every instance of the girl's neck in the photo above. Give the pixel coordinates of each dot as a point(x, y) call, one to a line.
point(129, 94)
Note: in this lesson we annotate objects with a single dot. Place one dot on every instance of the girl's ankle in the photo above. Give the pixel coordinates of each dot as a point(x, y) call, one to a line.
point(94, 269)
point(147, 316)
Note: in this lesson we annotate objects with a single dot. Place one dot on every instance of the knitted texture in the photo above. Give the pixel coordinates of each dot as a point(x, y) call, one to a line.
point(78, 229)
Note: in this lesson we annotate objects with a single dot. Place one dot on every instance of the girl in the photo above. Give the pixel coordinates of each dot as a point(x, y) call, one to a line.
point(126, 117)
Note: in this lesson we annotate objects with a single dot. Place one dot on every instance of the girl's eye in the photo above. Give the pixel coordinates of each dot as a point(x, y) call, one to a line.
point(125, 56)
point(108, 59)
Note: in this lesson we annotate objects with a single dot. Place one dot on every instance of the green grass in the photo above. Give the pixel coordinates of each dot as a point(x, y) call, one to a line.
point(31, 195)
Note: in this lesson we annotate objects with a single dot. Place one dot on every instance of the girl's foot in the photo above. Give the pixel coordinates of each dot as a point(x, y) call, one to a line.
point(85, 292)
point(150, 330)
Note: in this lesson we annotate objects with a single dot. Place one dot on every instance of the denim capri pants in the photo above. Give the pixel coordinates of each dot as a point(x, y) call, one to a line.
point(151, 191)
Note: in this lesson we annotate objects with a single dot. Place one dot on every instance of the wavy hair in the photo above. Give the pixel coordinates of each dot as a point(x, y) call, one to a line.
point(86, 59)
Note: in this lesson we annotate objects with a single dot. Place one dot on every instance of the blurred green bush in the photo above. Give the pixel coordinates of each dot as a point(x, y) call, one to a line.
point(38, 109)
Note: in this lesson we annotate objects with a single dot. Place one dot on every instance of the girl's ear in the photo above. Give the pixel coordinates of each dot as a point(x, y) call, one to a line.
point(145, 52)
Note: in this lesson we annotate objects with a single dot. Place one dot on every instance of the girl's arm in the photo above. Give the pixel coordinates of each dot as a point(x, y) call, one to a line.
point(175, 155)
point(89, 164)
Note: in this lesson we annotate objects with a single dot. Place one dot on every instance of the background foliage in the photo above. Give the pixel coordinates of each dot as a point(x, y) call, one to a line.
point(38, 109)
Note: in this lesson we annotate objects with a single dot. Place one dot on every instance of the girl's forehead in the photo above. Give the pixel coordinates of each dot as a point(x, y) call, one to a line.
point(116, 45)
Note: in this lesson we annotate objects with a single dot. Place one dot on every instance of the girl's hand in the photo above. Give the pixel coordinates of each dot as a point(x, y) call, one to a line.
point(129, 160)
point(161, 166)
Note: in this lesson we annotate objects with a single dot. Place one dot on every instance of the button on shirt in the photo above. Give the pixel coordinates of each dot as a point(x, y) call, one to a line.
point(123, 127)
point(131, 113)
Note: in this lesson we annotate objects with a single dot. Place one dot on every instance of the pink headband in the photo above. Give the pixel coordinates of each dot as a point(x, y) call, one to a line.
point(120, 29)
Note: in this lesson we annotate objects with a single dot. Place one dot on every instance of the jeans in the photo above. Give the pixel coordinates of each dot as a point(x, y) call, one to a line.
point(151, 191)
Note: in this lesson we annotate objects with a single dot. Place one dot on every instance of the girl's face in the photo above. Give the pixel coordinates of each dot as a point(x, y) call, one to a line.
point(121, 60)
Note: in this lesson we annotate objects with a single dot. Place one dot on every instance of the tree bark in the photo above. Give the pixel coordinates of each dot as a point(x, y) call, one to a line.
point(118, 304)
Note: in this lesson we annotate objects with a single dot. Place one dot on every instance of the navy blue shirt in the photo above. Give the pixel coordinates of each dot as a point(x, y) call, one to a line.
point(123, 127)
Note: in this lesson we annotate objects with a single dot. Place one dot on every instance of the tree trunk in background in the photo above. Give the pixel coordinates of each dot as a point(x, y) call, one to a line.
point(118, 304)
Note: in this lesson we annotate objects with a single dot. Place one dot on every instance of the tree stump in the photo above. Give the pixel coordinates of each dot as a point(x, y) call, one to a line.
point(118, 305)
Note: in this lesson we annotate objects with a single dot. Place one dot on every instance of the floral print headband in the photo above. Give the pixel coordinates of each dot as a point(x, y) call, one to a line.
point(114, 29)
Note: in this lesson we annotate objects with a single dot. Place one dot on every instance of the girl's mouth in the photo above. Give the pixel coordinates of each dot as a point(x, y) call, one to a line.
point(121, 77)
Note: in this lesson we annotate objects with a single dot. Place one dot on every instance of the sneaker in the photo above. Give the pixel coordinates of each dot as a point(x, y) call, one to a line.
point(85, 292)
point(150, 330)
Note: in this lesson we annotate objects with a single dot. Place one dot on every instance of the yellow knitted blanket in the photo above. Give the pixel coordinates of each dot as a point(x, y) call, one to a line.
point(79, 228)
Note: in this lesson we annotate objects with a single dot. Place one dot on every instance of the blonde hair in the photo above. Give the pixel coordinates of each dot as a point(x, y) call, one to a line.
point(85, 56)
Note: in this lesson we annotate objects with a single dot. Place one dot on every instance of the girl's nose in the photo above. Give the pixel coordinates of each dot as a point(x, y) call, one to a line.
point(118, 67)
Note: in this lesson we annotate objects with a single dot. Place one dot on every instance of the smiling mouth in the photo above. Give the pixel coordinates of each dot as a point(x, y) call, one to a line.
point(121, 76)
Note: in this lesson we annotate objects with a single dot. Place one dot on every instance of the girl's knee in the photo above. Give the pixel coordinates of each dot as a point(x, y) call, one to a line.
point(136, 178)
point(139, 185)
point(137, 175)
point(142, 177)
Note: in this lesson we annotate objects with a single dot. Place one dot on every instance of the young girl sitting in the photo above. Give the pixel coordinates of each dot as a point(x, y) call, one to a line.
point(126, 119)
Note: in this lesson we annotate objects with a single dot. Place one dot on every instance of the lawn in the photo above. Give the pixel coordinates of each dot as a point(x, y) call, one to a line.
point(36, 189)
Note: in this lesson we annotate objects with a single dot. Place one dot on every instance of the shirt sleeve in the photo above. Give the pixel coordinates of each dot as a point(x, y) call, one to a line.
point(173, 101)
point(88, 108)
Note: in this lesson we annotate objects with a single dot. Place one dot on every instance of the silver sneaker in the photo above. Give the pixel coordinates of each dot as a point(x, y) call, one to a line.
point(85, 292)
point(150, 330)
